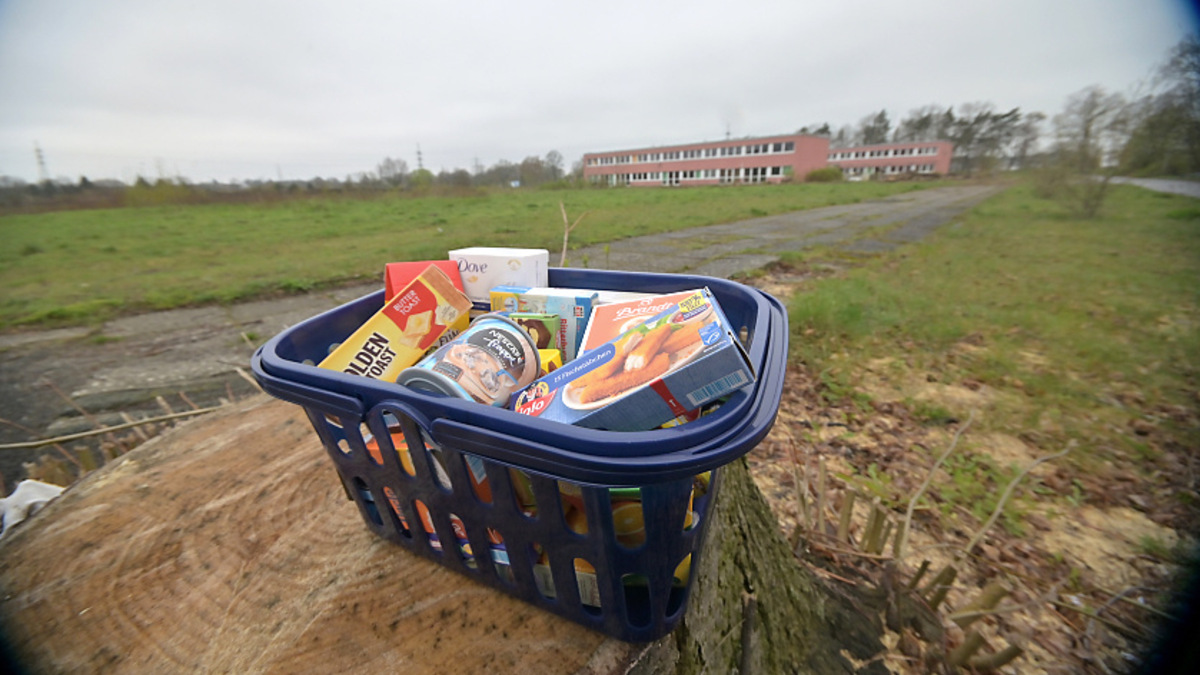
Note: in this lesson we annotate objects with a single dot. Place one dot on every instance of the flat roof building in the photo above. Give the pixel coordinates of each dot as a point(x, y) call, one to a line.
point(894, 158)
point(766, 159)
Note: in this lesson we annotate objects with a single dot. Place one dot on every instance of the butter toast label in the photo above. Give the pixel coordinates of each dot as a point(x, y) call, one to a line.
point(398, 334)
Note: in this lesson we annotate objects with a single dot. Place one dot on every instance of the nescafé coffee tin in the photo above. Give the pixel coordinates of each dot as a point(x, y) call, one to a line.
point(487, 362)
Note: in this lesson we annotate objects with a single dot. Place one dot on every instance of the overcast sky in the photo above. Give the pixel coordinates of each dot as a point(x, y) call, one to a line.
point(221, 89)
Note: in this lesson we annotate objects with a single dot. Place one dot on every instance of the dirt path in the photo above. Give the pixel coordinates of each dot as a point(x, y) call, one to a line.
point(192, 357)
point(1187, 188)
point(725, 250)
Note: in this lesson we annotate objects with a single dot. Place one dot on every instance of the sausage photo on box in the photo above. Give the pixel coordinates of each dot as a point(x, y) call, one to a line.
point(673, 362)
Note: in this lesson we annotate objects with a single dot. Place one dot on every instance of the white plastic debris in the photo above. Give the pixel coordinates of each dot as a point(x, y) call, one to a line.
point(29, 498)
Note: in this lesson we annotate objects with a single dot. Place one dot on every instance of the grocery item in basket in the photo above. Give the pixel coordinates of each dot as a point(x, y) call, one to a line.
point(493, 358)
point(543, 328)
point(398, 335)
point(551, 360)
point(475, 471)
point(628, 528)
point(397, 275)
point(693, 415)
point(573, 306)
point(585, 578)
point(615, 318)
point(674, 362)
point(605, 297)
point(401, 446)
point(629, 524)
point(482, 268)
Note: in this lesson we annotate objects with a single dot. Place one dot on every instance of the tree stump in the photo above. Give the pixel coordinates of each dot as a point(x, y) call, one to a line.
point(228, 545)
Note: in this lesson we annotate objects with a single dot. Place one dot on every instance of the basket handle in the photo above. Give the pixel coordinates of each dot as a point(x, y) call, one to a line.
point(303, 394)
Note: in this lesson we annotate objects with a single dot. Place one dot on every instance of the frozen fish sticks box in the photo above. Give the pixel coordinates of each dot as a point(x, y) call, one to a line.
point(483, 267)
point(676, 361)
point(612, 319)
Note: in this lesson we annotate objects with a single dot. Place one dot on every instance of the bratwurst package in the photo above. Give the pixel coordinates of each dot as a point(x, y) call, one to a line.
point(675, 361)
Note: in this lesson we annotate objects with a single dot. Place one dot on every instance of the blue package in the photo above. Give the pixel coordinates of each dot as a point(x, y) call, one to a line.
point(674, 362)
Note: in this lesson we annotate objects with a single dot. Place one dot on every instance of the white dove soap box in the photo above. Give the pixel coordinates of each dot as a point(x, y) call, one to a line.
point(483, 268)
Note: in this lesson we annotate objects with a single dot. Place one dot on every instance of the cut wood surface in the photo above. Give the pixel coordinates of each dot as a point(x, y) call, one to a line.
point(228, 545)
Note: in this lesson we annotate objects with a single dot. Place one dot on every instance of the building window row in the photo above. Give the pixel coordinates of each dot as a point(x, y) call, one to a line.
point(699, 153)
point(891, 152)
point(892, 169)
point(755, 174)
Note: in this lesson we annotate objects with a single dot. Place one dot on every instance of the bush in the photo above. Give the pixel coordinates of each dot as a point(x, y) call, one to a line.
point(829, 174)
point(561, 184)
point(1082, 194)
point(161, 193)
point(1050, 180)
point(420, 179)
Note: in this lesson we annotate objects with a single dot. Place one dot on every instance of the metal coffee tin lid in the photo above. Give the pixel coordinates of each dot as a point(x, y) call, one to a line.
point(424, 379)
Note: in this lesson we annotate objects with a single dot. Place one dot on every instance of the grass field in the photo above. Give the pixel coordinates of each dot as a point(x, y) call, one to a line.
point(1084, 331)
point(1025, 385)
point(74, 267)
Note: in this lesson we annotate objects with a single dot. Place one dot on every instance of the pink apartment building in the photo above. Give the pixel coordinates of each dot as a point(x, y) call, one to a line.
point(768, 159)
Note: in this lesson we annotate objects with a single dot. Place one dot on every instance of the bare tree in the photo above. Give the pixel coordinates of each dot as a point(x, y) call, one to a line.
point(821, 129)
point(1090, 133)
point(392, 171)
point(921, 125)
point(1025, 140)
point(1090, 130)
point(1165, 124)
point(502, 172)
point(874, 128)
point(455, 178)
point(846, 137)
point(532, 171)
point(554, 165)
point(980, 134)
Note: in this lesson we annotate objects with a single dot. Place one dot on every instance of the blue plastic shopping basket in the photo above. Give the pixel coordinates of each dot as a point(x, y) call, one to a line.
point(632, 590)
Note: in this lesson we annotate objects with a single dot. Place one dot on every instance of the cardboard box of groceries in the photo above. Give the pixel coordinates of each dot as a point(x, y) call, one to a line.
point(544, 328)
point(398, 275)
point(397, 336)
point(675, 361)
point(551, 360)
point(612, 319)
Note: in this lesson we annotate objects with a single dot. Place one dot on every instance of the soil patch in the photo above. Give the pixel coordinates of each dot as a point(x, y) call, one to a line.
point(1088, 560)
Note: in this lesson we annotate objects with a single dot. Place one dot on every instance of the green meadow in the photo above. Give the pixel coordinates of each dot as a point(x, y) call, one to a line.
point(1082, 329)
point(80, 267)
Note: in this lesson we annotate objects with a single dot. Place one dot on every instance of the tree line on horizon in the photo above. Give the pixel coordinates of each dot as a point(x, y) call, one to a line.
point(1154, 131)
point(984, 137)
